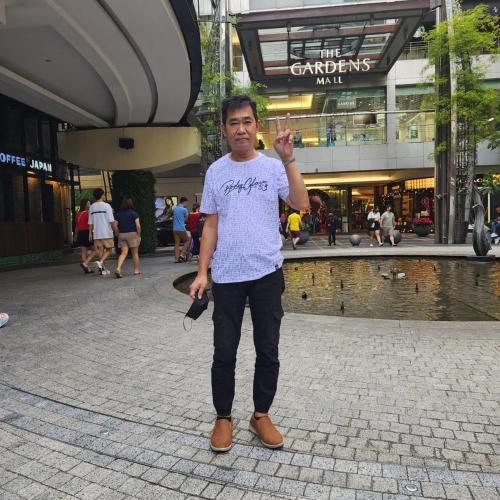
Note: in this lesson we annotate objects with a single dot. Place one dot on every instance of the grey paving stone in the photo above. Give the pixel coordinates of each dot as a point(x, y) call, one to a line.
point(317, 491)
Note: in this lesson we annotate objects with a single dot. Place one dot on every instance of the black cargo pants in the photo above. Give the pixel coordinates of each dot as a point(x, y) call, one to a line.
point(265, 306)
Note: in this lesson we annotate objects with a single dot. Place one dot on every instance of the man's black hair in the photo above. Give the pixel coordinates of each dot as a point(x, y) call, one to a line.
point(98, 193)
point(183, 199)
point(237, 102)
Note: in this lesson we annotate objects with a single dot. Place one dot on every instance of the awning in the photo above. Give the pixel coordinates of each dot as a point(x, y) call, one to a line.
point(336, 44)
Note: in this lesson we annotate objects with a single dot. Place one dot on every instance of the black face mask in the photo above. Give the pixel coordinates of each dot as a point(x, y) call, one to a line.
point(197, 307)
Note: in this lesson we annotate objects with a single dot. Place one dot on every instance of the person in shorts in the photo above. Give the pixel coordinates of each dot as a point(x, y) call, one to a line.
point(102, 226)
point(373, 221)
point(129, 235)
point(181, 235)
point(293, 227)
point(387, 223)
point(81, 237)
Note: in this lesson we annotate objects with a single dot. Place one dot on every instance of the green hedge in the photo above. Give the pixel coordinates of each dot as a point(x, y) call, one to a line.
point(140, 185)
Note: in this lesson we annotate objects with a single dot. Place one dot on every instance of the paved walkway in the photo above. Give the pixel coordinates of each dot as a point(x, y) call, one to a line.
point(104, 395)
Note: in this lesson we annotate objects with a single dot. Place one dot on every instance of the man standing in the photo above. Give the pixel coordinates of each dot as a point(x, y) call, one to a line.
point(241, 192)
point(181, 235)
point(102, 225)
point(387, 223)
point(332, 223)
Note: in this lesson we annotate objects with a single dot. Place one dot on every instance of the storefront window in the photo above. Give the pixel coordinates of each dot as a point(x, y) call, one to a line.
point(13, 136)
point(31, 135)
point(414, 125)
point(336, 118)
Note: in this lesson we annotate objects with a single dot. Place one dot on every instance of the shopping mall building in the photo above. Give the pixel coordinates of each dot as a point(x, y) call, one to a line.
point(353, 77)
point(87, 86)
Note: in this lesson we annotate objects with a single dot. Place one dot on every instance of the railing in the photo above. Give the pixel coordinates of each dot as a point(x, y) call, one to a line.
point(414, 50)
point(354, 129)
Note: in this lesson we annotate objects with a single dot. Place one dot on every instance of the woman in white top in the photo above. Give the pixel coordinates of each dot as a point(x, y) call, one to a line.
point(374, 226)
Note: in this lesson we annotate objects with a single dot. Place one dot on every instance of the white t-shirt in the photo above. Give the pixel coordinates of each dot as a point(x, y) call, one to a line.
point(101, 216)
point(245, 197)
point(374, 215)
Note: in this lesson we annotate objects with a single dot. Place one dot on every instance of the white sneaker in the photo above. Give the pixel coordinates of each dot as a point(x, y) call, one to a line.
point(494, 235)
point(371, 244)
point(105, 271)
point(99, 265)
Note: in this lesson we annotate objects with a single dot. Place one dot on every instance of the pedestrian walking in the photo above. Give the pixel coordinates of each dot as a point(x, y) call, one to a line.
point(102, 226)
point(81, 237)
point(373, 220)
point(387, 223)
point(332, 224)
point(181, 235)
point(192, 226)
point(241, 199)
point(129, 235)
point(293, 227)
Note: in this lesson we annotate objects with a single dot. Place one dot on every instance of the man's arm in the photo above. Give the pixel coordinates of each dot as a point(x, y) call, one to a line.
point(208, 245)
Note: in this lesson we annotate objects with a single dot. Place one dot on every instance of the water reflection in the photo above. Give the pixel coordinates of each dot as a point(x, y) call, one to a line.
point(432, 289)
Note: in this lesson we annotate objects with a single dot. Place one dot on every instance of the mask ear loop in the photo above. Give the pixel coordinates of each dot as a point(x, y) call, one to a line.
point(184, 324)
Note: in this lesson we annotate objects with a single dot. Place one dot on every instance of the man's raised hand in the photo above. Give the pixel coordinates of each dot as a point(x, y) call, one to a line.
point(283, 144)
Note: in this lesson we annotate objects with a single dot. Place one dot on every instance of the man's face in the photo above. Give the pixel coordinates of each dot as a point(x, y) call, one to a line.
point(240, 129)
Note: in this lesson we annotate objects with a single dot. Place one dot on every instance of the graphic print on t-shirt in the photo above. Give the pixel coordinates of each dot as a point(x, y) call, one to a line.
point(246, 186)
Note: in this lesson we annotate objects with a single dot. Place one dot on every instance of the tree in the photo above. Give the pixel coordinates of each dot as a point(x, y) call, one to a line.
point(463, 38)
point(140, 186)
point(215, 87)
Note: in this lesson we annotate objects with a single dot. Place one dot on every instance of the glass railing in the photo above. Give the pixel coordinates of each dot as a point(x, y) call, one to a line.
point(414, 50)
point(353, 129)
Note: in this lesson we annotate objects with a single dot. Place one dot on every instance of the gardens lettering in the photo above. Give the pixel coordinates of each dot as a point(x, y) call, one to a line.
point(330, 67)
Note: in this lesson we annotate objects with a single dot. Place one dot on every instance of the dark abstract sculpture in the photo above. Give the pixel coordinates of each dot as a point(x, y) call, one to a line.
point(480, 240)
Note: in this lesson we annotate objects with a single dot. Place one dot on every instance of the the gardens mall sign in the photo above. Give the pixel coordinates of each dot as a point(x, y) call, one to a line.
point(326, 68)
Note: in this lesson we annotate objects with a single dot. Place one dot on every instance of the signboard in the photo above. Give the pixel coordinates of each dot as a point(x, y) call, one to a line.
point(330, 65)
point(23, 162)
point(346, 103)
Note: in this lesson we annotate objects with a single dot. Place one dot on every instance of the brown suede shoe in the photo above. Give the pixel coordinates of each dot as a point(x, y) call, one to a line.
point(266, 432)
point(222, 435)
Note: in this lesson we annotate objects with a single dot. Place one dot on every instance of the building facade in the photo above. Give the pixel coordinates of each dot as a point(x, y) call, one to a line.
point(35, 207)
point(353, 78)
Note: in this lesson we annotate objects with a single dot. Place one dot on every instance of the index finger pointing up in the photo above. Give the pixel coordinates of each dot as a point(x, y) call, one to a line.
point(278, 126)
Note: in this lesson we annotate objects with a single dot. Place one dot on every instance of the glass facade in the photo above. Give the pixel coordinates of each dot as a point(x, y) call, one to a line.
point(414, 126)
point(336, 118)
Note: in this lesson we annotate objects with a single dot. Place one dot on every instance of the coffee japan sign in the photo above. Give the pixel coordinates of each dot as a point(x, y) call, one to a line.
point(331, 68)
point(25, 162)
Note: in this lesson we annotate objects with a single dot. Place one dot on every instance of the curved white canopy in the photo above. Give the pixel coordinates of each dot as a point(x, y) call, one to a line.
point(97, 63)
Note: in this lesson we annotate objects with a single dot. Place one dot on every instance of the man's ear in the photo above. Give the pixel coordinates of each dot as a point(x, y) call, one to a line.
point(222, 128)
point(257, 126)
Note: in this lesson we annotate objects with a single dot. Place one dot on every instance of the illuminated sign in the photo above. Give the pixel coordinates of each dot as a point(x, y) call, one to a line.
point(330, 65)
point(22, 161)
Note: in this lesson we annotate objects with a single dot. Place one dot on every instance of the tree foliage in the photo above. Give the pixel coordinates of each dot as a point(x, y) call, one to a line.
point(210, 96)
point(140, 185)
point(467, 36)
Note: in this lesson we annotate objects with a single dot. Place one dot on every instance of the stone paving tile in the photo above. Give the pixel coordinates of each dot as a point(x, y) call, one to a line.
point(364, 412)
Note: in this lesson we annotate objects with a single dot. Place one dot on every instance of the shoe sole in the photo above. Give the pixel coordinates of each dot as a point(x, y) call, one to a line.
point(220, 450)
point(267, 445)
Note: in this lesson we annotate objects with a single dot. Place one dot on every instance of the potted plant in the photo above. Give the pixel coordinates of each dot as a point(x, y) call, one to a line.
point(422, 226)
